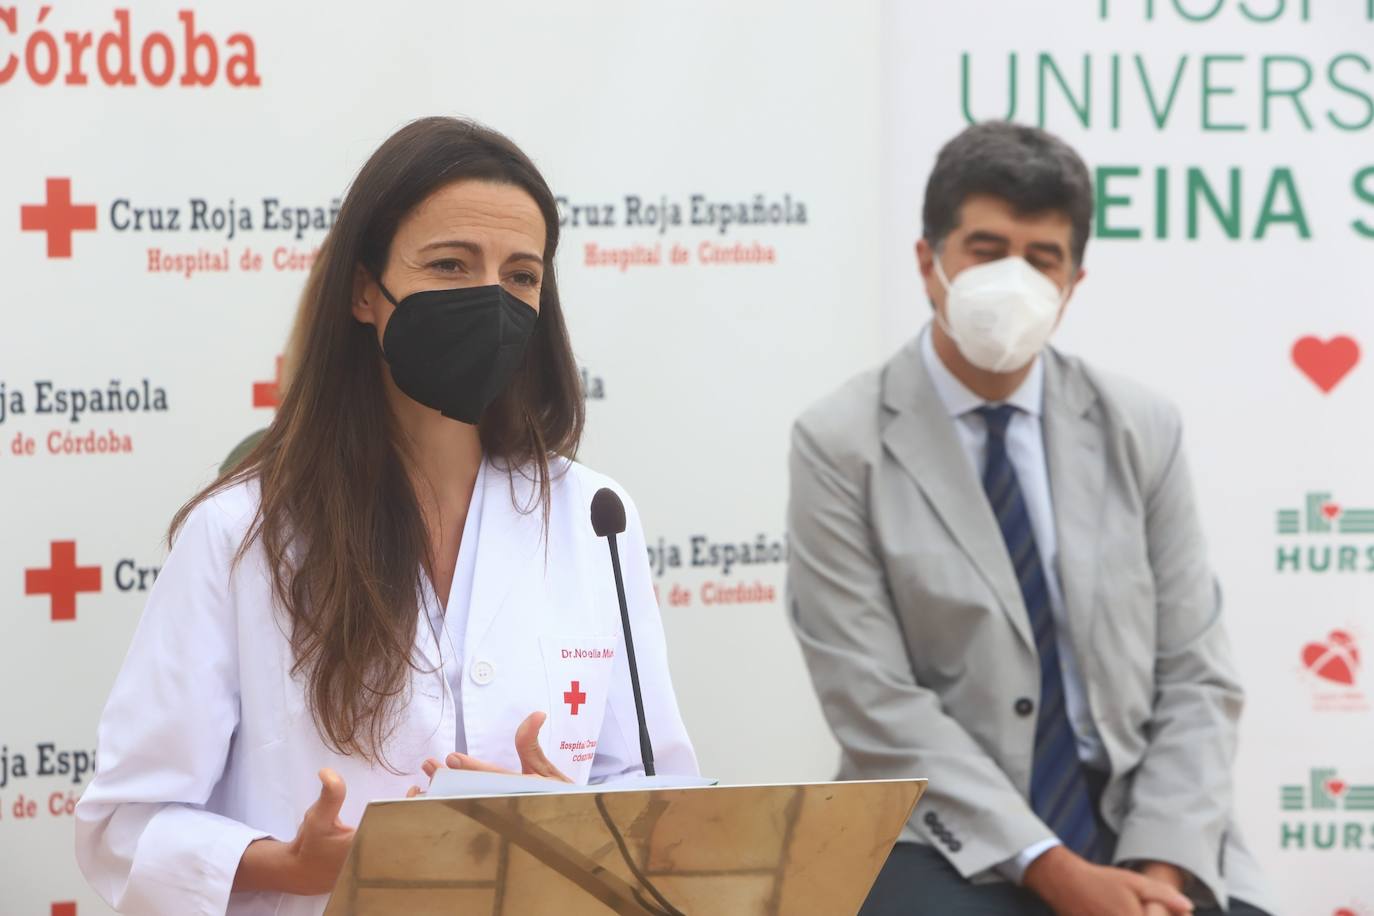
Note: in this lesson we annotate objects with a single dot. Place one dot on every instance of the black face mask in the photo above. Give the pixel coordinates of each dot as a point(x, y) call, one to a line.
point(455, 350)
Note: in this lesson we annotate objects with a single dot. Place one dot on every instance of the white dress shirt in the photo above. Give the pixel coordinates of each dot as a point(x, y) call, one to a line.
point(1026, 451)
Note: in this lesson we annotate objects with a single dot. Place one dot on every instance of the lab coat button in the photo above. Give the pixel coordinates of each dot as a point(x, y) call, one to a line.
point(483, 672)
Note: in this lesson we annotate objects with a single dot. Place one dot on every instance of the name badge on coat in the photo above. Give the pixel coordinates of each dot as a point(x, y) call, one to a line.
point(578, 670)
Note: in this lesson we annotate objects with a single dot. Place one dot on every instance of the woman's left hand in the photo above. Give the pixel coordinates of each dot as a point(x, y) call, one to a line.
point(533, 762)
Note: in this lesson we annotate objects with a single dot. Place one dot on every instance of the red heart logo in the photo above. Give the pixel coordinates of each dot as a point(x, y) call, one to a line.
point(1345, 911)
point(1326, 362)
point(1331, 510)
point(1330, 662)
point(1335, 786)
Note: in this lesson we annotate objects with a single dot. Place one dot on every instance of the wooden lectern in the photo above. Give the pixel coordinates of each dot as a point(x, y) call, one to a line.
point(738, 850)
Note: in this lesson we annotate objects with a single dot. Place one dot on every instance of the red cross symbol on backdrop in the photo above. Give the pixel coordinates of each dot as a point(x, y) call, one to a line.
point(268, 394)
point(58, 217)
point(64, 909)
point(575, 697)
point(63, 580)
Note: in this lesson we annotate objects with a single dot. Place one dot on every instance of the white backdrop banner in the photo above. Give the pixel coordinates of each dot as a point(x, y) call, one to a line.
point(740, 186)
point(169, 173)
point(1230, 269)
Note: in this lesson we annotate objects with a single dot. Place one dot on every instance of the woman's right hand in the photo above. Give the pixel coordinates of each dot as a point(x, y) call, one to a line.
point(310, 863)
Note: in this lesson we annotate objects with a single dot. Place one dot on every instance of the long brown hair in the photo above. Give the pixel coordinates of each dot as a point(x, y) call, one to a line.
point(339, 520)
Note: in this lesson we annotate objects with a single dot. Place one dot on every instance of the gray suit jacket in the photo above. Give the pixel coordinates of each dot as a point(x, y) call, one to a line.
point(917, 638)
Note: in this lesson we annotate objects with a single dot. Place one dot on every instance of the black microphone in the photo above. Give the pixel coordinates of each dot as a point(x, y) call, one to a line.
point(608, 520)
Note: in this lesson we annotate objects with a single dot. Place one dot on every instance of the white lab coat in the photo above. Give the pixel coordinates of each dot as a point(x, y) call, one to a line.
point(206, 742)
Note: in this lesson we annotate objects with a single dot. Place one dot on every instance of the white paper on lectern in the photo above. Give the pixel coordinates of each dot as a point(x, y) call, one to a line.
point(466, 783)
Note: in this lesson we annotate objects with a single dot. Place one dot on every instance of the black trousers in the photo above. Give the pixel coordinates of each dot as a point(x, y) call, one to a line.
point(918, 881)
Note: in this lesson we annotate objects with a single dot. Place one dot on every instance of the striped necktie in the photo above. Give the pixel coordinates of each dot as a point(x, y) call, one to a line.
point(1059, 786)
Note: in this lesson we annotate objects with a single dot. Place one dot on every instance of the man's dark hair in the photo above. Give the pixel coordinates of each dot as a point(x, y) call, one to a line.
point(1029, 168)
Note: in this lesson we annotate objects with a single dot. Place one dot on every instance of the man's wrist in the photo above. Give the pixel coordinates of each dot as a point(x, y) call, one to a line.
point(1165, 873)
point(1014, 869)
point(1048, 869)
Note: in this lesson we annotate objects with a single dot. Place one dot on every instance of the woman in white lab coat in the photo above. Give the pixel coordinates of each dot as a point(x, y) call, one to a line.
point(403, 571)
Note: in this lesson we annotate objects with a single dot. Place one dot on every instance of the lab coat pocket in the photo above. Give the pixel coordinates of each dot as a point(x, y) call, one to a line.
point(577, 671)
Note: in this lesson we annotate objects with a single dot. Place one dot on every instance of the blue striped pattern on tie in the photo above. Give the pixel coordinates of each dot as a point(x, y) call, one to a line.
point(1059, 786)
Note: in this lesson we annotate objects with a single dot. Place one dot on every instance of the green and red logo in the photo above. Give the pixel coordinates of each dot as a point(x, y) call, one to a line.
point(1324, 535)
point(1327, 812)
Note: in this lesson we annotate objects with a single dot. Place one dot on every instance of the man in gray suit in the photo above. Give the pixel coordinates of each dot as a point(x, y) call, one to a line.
point(998, 580)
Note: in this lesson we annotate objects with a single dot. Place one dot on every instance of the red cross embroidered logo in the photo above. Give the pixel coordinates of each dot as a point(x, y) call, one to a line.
point(575, 698)
point(63, 580)
point(58, 217)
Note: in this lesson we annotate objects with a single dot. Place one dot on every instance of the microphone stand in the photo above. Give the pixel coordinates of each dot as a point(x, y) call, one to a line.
point(646, 750)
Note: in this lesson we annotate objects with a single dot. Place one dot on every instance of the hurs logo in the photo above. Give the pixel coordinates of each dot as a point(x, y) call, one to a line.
point(1335, 813)
point(1324, 536)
